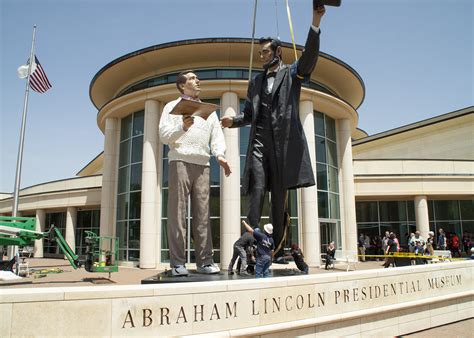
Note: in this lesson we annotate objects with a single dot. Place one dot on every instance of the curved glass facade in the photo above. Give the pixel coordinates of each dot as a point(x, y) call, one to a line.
point(376, 217)
point(130, 186)
point(214, 212)
point(211, 74)
point(327, 170)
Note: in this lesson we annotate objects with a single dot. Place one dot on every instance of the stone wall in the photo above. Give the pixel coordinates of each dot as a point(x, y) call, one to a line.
point(371, 302)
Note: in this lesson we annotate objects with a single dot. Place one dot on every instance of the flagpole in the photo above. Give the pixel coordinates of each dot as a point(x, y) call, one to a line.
point(22, 138)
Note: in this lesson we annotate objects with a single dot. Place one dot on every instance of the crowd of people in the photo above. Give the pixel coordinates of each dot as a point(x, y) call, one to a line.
point(369, 248)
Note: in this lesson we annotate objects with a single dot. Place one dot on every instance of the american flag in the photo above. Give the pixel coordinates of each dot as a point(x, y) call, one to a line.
point(38, 80)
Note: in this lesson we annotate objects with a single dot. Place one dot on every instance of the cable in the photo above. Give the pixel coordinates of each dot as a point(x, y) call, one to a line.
point(276, 15)
point(253, 38)
point(291, 28)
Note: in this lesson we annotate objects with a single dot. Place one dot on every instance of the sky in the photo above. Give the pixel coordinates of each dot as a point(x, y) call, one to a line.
point(414, 56)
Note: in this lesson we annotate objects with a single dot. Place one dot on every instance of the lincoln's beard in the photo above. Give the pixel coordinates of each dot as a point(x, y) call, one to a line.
point(271, 63)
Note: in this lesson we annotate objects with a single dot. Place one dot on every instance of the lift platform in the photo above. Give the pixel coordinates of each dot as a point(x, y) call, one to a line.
point(101, 252)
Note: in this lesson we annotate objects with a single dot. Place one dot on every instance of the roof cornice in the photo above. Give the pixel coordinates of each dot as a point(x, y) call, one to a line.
point(413, 126)
point(214, 40)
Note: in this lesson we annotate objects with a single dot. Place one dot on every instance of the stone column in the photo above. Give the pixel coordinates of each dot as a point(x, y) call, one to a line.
point(230, 186)
point(148, 220)
point(344, 144)
point(309, 196)
point(71, 218)
point(40, 220)
point(109, 177)
point(422, 217)
point(159, 199)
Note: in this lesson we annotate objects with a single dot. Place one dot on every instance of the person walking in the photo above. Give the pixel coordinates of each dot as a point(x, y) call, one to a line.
point(466, 243)
point(455, 245)
point(430, 242)
point(385, 240)
point(391, 249)
point(441, 243)
point(361, 247)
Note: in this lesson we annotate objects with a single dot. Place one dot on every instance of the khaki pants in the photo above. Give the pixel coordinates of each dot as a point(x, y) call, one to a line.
point(361, 250)
point(188, 179)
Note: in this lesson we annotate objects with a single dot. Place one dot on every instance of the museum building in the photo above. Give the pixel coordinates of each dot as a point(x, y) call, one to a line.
point(415, 177)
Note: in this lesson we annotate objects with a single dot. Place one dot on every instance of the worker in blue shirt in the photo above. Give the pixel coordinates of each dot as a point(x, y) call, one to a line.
point(265, 247)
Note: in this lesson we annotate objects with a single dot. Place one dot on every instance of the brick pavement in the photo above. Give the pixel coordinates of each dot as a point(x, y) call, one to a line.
point(125, 275)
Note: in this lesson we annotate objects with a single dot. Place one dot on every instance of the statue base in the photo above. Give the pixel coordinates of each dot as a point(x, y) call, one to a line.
point(166, 277)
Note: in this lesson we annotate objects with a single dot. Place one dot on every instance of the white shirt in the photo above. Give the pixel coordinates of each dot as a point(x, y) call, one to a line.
point(203, 138)
point(271, 80)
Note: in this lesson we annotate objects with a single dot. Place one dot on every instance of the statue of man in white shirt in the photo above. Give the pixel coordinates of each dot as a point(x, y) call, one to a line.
point(191, 142)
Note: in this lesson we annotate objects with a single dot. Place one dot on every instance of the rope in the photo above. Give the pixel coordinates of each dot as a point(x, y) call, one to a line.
point(291, 28)
point(286, 223)
point(253, 38)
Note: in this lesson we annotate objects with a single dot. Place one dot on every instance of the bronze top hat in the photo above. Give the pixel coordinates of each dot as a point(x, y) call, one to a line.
point(318, 3)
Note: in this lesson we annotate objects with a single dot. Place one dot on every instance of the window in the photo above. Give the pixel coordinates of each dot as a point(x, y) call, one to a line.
point(129, 186)
point(327, 168)
point(212, 74)
point(446, 210)
point(58, 219)
point(392, 211)
point(453, 216)
point(327, 171)
point(87, 220)
point(367, 212)
point(467, 209)
point(374, 218)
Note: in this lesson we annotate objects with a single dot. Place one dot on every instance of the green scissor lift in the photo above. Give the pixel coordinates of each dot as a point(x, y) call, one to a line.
point(101, 252)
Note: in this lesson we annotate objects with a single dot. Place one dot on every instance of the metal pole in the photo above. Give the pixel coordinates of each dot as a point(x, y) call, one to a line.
point(19, 160)
point(276, 16)
point(253, 37)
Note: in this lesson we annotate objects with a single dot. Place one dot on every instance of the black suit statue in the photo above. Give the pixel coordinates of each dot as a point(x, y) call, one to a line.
point(277, 154)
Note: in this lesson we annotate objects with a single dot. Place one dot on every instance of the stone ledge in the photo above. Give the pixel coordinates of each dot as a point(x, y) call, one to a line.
point(252, 331)
point(122, 291)
point(347, 303)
